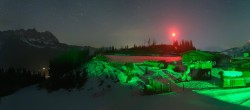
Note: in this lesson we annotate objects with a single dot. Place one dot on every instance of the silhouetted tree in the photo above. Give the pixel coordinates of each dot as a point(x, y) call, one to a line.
point(191, 44)
point(149, 42)
point(62, 70)
point(66, 62)
point(14, 79)
point(135, 46)
point(154, 42)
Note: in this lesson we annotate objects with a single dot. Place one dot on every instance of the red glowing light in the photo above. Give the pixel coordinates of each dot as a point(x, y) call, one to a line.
point(173, 34)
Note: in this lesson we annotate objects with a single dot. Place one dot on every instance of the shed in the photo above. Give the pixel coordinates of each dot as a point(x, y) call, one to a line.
point(222, 59)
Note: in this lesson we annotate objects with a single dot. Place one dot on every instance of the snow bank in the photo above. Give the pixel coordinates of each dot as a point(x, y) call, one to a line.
point(118, 99)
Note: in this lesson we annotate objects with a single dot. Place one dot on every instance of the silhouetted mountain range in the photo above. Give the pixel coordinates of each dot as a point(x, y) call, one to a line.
point(237, 51)
point(30, 49)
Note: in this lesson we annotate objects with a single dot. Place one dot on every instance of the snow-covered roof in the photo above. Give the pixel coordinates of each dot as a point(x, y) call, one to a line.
point(232, 73)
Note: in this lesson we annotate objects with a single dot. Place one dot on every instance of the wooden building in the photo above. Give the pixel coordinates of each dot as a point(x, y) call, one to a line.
point(202, 64)
point(235, 79)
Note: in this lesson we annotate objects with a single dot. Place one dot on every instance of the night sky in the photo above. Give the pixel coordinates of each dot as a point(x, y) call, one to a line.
point(209, 23)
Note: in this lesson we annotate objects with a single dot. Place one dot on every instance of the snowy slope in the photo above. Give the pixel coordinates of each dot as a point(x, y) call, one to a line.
point(118, 99)
point(240, 96)
point(110, 95)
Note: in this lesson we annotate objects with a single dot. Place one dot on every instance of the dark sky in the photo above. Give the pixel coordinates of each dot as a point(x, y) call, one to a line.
point(209, 23)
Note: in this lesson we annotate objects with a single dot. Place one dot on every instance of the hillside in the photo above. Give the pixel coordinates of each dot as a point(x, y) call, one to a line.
point(117, 98)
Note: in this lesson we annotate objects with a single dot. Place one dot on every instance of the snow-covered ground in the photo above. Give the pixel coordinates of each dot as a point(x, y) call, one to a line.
point(107, 94)
point(111, 95)
point(118, 98)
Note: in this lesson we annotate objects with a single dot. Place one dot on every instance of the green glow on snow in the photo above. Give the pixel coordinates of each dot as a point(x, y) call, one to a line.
point(232, 73)
point(238, 96)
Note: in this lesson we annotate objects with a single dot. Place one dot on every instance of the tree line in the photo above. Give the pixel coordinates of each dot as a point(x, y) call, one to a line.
point(13, 79)
point(66, 71)
point(151, 47)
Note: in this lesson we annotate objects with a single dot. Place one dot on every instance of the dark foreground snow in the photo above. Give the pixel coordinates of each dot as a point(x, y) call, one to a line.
point(119, 98)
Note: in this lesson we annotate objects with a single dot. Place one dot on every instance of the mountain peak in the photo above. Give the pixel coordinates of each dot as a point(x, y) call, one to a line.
point(31, 37)
point(238, 51)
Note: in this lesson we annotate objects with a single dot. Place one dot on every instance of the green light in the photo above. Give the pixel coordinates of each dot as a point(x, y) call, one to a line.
point(196, 55)
point(122, 77)
point(236, 96)
point(232, 73)
point(203, 64)
point(156, 87)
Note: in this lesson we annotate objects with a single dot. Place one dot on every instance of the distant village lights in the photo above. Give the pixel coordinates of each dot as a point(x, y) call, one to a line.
point(45, 73)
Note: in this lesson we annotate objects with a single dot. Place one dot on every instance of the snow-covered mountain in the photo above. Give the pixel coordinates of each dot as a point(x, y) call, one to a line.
point(237, 51)
point(30, 37)
point(30, 48)
point(44, 39)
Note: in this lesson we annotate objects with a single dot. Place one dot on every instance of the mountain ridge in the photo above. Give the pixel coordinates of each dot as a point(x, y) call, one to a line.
point(237, 51)
point(31, 49)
